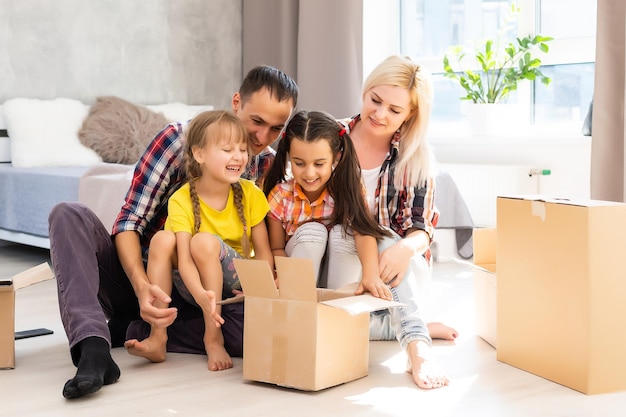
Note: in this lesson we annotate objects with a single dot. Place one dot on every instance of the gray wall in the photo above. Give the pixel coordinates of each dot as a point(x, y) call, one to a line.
point(146, 51)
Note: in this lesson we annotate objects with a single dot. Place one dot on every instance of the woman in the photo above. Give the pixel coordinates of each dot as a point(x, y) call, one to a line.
point(397, 170)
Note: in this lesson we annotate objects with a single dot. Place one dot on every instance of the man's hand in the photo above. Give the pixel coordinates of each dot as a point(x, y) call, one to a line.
point(151, 297)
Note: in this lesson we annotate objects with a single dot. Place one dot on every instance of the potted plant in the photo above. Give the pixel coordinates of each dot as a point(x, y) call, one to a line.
point(501, 64)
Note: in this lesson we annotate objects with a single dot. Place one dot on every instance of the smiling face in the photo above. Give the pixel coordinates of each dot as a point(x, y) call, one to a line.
point(384, 109)
point(224, 155)
point(264, 117)
point(311, 165)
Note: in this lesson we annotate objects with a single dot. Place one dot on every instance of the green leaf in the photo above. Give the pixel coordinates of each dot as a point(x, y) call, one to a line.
point(502, 63)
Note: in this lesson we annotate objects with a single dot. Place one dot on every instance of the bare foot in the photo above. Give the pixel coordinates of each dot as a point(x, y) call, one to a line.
point(441, 331)
point(425, 371)
point(150, 348)
point(219, 359)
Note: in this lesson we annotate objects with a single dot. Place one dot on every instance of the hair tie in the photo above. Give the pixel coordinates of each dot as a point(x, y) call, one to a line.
point(283, 134)
point(342, 132)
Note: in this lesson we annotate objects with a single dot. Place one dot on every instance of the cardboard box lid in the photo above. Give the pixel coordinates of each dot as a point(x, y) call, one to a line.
point(297, 283)
point(566, 201)
point(31, 276)
point(296, 278)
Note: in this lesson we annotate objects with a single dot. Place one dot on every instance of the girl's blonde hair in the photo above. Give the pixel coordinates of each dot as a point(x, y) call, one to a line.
point(415, 163)
point(215, 127)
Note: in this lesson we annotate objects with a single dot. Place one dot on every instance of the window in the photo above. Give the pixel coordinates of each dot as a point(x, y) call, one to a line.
point(426, 28)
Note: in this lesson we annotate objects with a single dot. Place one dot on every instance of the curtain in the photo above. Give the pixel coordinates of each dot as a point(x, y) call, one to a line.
point(608, 176)
point(317, 42)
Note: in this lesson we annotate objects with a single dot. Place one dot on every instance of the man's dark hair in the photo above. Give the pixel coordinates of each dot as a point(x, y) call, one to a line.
point(280, 85)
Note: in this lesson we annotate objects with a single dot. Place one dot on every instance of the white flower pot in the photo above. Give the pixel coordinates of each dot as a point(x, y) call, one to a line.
point(495, 119)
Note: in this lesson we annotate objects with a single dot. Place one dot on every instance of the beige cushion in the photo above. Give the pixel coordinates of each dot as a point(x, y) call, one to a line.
point(119, 130)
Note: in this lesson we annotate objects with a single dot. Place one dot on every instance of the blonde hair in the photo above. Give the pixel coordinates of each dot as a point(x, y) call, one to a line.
point(216, 126)
point(415, 164)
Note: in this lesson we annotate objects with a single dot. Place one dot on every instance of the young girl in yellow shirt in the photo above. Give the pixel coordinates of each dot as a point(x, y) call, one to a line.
point(214, 218)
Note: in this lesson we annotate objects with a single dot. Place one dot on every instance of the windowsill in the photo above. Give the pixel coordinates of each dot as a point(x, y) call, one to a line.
point(562, 149)
point(549, 134)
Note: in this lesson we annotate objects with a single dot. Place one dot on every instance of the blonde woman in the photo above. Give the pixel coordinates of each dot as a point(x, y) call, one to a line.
point(397, 170)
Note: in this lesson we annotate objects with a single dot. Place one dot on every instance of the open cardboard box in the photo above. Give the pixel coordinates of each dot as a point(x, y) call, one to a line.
point(561, 290)
point(485, 283)
point(8, 287)
point(300, 336)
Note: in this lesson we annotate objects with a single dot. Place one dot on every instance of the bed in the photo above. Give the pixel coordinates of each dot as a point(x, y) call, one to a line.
point(57, 145)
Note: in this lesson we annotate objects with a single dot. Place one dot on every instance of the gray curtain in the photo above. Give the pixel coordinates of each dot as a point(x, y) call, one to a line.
point(608, 179)
point(317, 42)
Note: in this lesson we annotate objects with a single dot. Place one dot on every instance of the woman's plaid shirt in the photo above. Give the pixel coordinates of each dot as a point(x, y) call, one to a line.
point(407, 208)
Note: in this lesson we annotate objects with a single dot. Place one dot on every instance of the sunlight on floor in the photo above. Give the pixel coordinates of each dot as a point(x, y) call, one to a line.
point(392, 401)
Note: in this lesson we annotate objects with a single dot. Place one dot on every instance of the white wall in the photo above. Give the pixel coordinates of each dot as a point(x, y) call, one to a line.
point(146, 51)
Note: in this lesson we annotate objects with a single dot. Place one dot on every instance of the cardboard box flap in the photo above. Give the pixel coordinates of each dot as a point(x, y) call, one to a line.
point(348, 289)
point(345, 299)
point(32, 276)
point(485, 241)
point(364, 303)
point(566, 201)
point(296, 279)
point(256, 278)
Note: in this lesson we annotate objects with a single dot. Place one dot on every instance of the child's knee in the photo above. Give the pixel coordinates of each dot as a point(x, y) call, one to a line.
point(204, 243)
point(313, 232)
point(164, 240)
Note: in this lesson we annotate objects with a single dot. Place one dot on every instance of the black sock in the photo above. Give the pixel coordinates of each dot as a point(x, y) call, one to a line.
point(95, 368)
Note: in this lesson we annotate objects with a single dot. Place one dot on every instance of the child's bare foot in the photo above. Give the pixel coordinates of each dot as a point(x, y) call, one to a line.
point(439, 330)
point(425, 371)
point(219, 359)
point(151, 348)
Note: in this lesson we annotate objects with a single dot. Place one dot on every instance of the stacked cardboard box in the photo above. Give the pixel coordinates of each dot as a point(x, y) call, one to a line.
point(562, 290)
point(485, 283)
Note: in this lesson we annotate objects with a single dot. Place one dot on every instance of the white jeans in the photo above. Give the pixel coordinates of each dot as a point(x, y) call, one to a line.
point(402, 323)
point(309, 241)
point(405, 324)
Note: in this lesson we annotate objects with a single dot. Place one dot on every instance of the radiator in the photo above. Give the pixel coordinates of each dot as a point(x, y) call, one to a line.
point(480, 185)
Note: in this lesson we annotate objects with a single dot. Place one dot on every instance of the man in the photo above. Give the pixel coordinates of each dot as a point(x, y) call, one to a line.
point(102, 276)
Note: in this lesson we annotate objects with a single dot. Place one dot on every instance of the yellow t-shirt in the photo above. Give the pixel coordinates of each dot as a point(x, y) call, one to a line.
point(225, 223)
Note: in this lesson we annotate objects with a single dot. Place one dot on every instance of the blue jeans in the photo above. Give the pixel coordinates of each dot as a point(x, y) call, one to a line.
point(404, 324)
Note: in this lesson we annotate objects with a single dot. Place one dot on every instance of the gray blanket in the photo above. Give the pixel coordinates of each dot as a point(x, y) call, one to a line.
point(454, 214)
point(28, 194)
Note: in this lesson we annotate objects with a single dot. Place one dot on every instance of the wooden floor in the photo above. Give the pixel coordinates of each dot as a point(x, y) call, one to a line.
point(481, 386)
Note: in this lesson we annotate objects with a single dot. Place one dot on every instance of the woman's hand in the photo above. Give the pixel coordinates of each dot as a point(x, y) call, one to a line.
point(394, 261)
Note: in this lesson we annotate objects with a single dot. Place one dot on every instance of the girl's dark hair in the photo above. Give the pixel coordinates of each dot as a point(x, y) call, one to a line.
point(215, 126)
point(344, 185)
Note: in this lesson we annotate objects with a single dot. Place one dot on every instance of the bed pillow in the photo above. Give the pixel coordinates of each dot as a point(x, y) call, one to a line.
point(44, 133)
point(119, 130)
